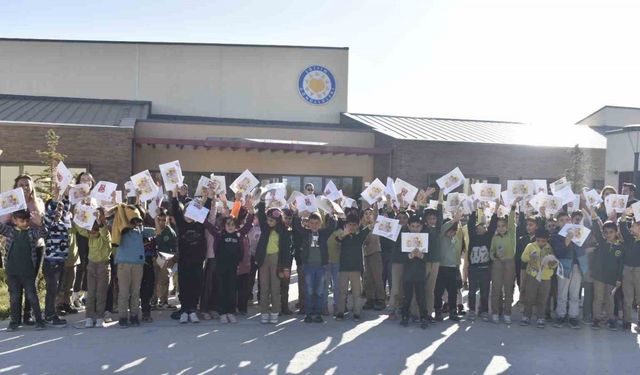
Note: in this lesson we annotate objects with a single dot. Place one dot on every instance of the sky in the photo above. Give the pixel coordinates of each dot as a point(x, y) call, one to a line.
point(536, 61)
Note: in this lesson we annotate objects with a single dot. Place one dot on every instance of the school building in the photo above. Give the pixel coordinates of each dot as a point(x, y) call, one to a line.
point(280, 111)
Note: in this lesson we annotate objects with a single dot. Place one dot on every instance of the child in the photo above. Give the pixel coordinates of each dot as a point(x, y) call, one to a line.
point(314, 257)
point(285, 277)
point(631, 269)
point(128, 234)
point(333, 268)
point(606, 271)
point(503, 247)
point(229, 251)
point(540, 267)
point(166, 243)
point(530, 224)
point(450, 249)
point(56, 253)
point(479, 262)
point(372, 278)
point(20, 260)
point(414, 278)
point(432, 258)
point(350, 242)
point(273, 253)
point(98, 270)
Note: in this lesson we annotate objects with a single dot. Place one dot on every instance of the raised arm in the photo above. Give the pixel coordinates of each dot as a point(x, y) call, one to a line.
point(493, 224)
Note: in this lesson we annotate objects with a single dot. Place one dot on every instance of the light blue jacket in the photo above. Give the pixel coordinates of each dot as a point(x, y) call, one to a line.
point(131, 249)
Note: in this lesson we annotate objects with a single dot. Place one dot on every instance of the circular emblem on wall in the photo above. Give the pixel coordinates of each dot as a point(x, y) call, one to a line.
point(316, 84)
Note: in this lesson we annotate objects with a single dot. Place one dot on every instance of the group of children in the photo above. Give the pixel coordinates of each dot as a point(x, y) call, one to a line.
point(124, 263)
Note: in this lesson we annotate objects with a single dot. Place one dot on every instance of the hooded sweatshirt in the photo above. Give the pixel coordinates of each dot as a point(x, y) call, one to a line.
point(479, 245)
point(503, 247)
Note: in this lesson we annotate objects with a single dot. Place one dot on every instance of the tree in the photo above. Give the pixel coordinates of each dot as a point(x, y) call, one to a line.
point(579, 169)
point(50, 158)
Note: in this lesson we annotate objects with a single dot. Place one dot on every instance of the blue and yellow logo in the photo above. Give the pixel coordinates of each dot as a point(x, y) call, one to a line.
point(316, 84)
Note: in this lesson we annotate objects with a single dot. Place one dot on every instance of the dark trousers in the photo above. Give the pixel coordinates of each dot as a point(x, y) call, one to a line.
point(147, 286)
point(52, 272)
point(243, 292)
point(113, 282)
point(416, 288)
point(479, 278)
point(17, 284)
point(587, 302)
point(252, 277)
point(284, 293)
point(227, 279)
point(209, 297)
point(39, 253)
point(80, 283)
point(189, 284)
point(386, 270)
point(447, 280)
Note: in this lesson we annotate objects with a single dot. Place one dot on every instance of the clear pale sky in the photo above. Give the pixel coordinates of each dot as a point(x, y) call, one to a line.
point(536, 61)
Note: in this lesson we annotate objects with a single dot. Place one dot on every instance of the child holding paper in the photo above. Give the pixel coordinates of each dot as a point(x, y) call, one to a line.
point(527, 227)
point(20, 261)
point(350, 240)
point(285, 276)
point(606, 271)
point(450, 244)
point(273, 253)
point(434, 219)
point(503, 246)
point(372, 278)
point(541, 265)
point(98, 270)
point(414, 278)
point(480, 237)
point(165, 243)
point(631, 268)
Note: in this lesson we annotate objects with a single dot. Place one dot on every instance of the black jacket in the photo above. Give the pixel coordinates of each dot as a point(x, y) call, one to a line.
point(305, 239)
point(479, 245)
point(285, 245)
point(351, 258)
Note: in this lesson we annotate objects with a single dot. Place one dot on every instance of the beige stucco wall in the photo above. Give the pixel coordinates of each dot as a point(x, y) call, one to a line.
point(619, 157)
point(198, 80)
point(332, 136)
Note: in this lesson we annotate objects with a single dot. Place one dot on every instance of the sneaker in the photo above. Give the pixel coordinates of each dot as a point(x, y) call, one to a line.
point(356, 317)
point(206, 316)
point(626, 326)
point(445, 307)
point(193, 317)
point(184, 318)
point(559, 323)
point(69, 309)
point(166, 306)
point(484, 316)
point(439, 317)
point(264, 318)
point(123, 323)
point(424, 323)
point(88, 323)
point(471, 315)
point(273, 318)
point(404, 321)
point(173, 292)
point(308, 319)
point(232, 319)
point(524, 321)
point(587, 321)
point(100, 323)
point(454, 317)
point(339, 316)
point(287, 311)
point(465, 286)
point(495, 319)
point(612, 325)
point(55, 321)
point(12, 326)
point(368, 305)
point(573, 323)
point(595, 325)
point(461, 310)
point(318, 319)
point(224, 319)
point(60, 310)
point(507, 319)
point(147, 319)
point(107, 317)
point(548, 318)
point(540, 323)
point(40, 325)
point(415, 318)
point(134, 321)
point(214, 315)
point(393, 315)
point(27, 320)
point(430, 319)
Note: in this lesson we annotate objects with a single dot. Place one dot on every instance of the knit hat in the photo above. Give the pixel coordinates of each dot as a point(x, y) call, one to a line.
point(274, 213)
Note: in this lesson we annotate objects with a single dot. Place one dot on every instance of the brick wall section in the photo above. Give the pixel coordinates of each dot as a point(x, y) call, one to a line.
point(104, 151)
point(413, 161)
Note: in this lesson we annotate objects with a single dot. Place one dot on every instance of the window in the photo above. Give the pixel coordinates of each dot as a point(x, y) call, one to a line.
point(9, 172)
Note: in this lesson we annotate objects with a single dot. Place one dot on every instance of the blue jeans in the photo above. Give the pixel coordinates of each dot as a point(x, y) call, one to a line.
point(315, 286)
point(333, 270)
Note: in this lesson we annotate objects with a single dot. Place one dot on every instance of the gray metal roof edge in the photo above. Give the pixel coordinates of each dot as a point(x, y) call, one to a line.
point(63, 124)
point(168, 43)
point(603, 107)
point(203, 120)
point(350, 114)
point(74, 99)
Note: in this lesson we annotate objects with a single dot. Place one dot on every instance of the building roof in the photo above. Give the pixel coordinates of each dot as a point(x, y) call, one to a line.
point(23, 108)
point(167, 43)
point(478, 131)
point(612, 116)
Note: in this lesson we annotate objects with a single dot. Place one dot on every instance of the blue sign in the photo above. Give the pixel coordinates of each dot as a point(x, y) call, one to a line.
point(316, 84)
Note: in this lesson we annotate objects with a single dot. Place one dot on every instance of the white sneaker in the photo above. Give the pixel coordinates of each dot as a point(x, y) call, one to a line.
point(232, 318)
point(224, 319)
point(184, 318)
point(206, 316)
point(273, 318)
point(264, 318)
point(107, 317)
point(495, 319)
point(507, 319)
point(214, 315)
point(100, 323)
point(193, 317)
point(88, 323)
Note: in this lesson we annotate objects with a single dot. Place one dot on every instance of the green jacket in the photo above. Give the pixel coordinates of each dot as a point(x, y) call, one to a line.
point(99, 245)
point(449, 248)
point(504, 247)
point(607, 260)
